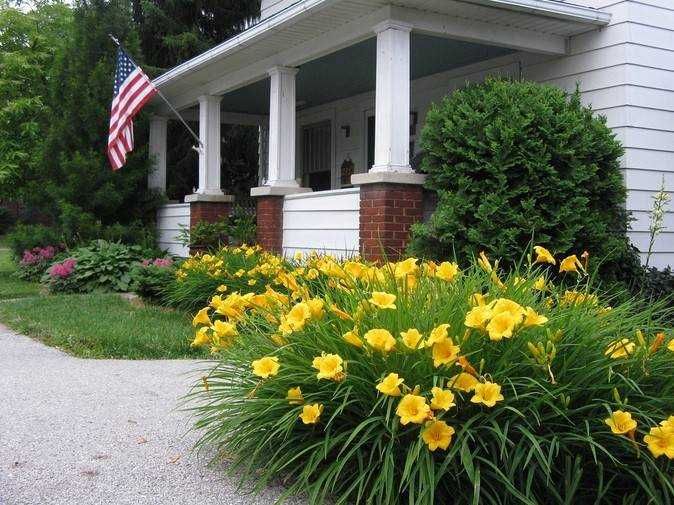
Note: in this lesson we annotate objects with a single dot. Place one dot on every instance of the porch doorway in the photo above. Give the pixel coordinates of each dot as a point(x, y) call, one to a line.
point(316, 156)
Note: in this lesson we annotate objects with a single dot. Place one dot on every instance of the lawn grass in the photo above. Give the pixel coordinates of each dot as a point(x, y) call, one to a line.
point(11, 286)
point(102, 326)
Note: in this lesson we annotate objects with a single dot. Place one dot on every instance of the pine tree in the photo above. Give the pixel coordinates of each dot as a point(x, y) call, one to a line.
point(72, 178)
point(172, 31)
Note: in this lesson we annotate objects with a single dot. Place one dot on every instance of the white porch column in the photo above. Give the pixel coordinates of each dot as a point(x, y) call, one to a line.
point(392, 102)
point(209, 157)
point(157, 179)
point(281, 171)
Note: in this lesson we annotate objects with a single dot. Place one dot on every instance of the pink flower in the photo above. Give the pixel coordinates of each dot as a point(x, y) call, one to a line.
point(37, 254)
point(62, 270)
point(29, 258)
point(163, 262)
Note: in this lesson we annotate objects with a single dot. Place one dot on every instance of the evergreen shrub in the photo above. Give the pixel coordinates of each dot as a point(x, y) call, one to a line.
point(514, 162)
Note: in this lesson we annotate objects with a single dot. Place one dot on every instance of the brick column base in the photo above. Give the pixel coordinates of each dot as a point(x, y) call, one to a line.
point(208, 211)
point(270, 223)
point(387, 211)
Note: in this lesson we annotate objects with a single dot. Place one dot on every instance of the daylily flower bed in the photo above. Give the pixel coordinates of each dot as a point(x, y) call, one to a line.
point(421, 383)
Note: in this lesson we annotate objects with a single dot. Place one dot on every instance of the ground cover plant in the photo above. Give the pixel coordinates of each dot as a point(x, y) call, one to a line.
point(99, 325)
point(34, 262)
point(421, 383)
point(99, 266)
point(150, 278)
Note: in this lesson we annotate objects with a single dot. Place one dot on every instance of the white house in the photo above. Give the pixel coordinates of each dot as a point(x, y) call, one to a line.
point(342, 86)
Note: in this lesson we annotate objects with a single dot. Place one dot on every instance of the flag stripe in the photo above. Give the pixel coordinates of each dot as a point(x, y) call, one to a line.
point(124, 104)
point(132, 90)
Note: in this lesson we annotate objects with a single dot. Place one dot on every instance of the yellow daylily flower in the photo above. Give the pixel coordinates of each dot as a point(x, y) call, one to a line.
point(298, 315)
point(221, 288)
point(447, 271)
point(295, 396)
point(570, 264)
point(429, 268)
point(513, 308)
point(484, 263)
point(463, 382)
point(390, 385)
point(445, 352)
point(540, 284)
point(668, 423)
point(352, 338)
point(224, 330)
point(311, 413)
point(438, 334)
point(578, 298)
point(437, 435)
point(201, 337)
point(405, 268)
point(380, 339)
point(621, 422)
point(620, 348)
point(316, 308)
point(413, 409)
point(487, 393)
point(532, 318)
point(543, 255)
point(660, 441)
point(202, 318)
point(443, 399)
point(670, 346)
point(266, 367)
point(355, 269)
point(383, 300)
point(501, 326)
point(329, 366)
point(478, 317)
point(478, 299)
point(412, 338)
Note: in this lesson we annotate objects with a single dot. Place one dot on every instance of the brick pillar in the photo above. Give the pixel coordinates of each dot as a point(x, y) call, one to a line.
point(270, 223)
point(208, 211)
point(387, 211)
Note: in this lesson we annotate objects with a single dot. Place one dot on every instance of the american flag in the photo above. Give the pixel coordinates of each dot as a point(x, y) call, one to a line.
point(132, 90)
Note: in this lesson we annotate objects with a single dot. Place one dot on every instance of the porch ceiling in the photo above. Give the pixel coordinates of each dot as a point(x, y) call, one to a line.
point(310, 29)
point(351, 71)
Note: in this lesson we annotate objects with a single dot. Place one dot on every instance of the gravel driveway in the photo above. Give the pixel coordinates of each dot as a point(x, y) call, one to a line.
point(76, 431)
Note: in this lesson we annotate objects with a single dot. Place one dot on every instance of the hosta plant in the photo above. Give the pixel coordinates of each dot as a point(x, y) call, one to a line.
point(419, 383)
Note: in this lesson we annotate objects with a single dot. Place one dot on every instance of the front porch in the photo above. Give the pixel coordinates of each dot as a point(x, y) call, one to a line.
point(339, 91)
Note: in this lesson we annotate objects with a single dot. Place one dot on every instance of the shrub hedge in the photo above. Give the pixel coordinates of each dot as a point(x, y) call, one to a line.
point(514, 162)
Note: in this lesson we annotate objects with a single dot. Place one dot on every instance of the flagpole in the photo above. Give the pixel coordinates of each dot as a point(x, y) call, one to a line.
point(173, 109)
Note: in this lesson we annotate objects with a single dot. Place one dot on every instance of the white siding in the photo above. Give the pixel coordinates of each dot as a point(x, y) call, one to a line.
point(626, 72)
point(170, 219)
point(326, 221)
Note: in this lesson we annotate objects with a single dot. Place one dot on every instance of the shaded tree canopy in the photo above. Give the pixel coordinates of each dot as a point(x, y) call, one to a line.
point(172, 31)
point(56, 70)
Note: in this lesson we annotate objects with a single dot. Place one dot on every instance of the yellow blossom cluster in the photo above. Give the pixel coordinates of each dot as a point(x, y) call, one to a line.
point(380, 312)
point(659, 440)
